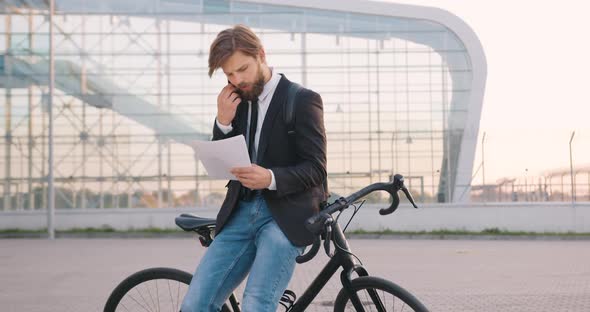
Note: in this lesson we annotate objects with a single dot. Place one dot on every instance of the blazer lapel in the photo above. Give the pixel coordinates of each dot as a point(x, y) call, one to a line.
point(277, 102)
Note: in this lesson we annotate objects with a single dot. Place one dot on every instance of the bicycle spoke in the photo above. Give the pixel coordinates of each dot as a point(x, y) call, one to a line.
point(138, 303)
point(143, 300)
point(170, 293)
point(155, 300)
point(378, 300)
point(385, 301)
point(151, 290)
point(124, 307)
point(178, 297)
point(157, 296)
point(151, 297)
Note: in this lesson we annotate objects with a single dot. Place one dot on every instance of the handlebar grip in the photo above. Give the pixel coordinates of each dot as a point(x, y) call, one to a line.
point(392, 207)
point(311, 253)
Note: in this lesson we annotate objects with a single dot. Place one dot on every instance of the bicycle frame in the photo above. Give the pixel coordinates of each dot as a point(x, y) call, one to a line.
point(339, 259)
point(342, 256)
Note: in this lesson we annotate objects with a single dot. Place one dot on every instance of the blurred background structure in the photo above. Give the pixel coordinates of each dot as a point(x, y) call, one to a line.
point(402, 89)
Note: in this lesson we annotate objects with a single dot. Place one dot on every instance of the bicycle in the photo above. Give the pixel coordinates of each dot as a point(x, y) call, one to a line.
point(363, 293)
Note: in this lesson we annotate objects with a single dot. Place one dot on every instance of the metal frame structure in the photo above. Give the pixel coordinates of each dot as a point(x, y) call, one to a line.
point(402, 88)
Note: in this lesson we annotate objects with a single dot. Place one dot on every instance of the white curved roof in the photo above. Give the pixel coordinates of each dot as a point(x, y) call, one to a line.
point(436, 28)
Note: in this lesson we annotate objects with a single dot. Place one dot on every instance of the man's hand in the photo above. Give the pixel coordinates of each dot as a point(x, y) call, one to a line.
point(254, 178)
point(227, 103)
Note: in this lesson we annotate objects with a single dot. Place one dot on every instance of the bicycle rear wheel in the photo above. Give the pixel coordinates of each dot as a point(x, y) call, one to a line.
point(155, 289)
point(377, 294)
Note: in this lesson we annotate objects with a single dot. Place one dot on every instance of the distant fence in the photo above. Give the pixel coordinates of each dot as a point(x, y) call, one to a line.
point(530, 217)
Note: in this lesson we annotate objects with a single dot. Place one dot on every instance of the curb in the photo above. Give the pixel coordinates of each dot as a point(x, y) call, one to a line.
point(539, 237)
point(152, 235)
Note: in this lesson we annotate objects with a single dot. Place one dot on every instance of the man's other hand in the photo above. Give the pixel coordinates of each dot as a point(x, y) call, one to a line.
point(254, 177)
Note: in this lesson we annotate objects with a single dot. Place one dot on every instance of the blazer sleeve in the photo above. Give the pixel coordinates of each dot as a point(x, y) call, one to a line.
point(310, 148)
point(219, 135)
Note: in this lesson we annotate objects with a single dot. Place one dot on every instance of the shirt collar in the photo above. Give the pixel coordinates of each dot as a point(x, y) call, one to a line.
point(270, 85)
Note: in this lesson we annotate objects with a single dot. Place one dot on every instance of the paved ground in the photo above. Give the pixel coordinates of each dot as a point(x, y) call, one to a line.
point(451, 275)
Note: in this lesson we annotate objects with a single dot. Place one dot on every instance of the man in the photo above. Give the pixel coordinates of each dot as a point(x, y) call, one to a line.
point(260, 227)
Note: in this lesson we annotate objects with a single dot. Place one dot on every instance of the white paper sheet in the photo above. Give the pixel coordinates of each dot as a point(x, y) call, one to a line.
point(220, 156)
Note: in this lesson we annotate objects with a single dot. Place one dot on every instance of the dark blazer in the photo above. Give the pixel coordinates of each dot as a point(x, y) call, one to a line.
point(298, 162)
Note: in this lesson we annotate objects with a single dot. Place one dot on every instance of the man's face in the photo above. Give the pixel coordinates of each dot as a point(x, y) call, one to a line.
point(245, 73)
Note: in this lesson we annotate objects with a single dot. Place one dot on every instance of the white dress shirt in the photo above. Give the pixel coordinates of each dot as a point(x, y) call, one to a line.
point(263, 103)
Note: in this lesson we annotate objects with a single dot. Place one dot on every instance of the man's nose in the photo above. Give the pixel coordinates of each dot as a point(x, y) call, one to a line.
point(237, 80)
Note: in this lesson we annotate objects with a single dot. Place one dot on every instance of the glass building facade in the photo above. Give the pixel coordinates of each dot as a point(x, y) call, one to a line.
point(402, 89)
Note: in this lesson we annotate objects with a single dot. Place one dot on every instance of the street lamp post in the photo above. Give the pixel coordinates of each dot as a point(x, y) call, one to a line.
point(51, 201)
point(393, 155)
point(526, 185)
point(573, 180)
point(483, 166)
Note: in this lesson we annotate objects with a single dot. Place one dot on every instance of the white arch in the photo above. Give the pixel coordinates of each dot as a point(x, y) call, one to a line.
point(475, 54)
point(424, 17)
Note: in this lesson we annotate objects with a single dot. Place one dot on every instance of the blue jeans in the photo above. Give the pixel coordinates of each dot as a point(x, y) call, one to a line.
point(251, 242)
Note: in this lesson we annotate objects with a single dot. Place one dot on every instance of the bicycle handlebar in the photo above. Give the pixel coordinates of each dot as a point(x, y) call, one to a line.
point(311, 253)
point(321, 222)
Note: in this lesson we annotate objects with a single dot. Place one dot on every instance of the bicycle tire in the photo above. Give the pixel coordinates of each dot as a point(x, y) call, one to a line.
point(383, 287)
point(171, 300)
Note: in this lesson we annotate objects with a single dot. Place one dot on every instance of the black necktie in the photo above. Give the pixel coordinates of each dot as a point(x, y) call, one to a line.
point(252, 131)
point(246, 193)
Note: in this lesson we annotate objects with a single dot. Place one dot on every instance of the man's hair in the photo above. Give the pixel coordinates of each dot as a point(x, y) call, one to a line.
point(228, 41)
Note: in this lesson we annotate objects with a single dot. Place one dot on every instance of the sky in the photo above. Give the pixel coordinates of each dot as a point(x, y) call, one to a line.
point(537, 90)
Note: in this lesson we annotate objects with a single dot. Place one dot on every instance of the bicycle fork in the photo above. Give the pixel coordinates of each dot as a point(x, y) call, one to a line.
point(346, 276)
point(346, 280)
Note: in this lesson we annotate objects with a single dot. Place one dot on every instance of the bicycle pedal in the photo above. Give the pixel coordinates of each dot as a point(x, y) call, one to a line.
point(288, 299)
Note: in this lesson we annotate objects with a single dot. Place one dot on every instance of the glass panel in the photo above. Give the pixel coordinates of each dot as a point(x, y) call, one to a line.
point(132, 87)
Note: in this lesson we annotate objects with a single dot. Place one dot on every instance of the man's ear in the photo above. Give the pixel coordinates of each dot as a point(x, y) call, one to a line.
point(262, 56)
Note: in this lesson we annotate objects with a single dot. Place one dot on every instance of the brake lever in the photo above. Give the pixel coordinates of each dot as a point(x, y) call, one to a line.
point(397, 185)
point(327, 240)
point(409, 196)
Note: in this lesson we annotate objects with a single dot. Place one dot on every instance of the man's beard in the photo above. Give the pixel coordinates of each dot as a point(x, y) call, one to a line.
point(257, 87)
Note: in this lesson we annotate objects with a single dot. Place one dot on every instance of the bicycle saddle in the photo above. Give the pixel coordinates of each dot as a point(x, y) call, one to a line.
point(190, 222)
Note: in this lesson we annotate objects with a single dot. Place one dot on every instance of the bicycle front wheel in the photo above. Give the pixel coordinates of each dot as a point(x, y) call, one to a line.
point(155, 289)
point(377, 294)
